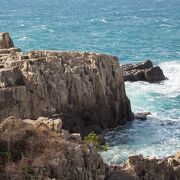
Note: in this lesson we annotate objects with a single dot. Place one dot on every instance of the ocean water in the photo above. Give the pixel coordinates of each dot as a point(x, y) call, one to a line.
point(133, 30)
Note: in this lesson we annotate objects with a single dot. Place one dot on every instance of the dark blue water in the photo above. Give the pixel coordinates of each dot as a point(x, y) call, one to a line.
point(133, 30)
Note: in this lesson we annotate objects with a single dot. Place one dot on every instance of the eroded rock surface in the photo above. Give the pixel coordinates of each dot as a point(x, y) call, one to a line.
point(88, 86)
point(155, 169)
point(144, 71)
point(34, 150)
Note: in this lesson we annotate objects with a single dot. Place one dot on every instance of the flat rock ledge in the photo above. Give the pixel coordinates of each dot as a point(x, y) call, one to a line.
point(144, 71)
point(86, 90)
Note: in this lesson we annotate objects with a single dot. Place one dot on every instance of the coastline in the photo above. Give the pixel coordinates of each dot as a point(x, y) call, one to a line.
point(22, 75)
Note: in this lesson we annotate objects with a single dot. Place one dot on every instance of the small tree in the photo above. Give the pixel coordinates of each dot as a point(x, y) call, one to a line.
point(95, 140)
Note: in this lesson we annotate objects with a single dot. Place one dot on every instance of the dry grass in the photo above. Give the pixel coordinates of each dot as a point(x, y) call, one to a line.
point(24, 149)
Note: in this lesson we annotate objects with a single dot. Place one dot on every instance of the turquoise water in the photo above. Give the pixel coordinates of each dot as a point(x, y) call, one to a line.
point(159, 135)
point(133, 30)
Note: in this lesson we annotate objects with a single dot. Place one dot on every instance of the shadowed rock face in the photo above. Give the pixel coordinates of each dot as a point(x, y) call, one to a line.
point(87, 87)
point(144, 71)
point(5, 41)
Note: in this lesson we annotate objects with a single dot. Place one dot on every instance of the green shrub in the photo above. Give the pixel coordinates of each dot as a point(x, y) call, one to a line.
point(95, 140)
point(30, 172)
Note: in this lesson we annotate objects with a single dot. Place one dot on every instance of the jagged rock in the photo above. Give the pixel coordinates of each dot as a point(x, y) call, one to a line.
point(142, 72)
point(155, 169)
point(89, 85)
point(47, 123)
point(5, 41)
point(154, 74)
point(86, 90)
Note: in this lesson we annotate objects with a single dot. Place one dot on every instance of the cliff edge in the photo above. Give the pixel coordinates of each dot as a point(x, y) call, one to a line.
point(86, 90)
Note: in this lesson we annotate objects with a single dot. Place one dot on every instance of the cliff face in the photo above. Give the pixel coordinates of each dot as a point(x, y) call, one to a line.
point(85, 89)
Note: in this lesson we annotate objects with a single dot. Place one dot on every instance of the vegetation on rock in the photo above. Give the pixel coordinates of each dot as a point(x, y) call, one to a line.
point(37, 151)
point(95, 140)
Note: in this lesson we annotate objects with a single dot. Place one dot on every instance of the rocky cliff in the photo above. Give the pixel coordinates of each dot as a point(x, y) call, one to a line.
point(42, 150)
point(85, 89)
point(147, 168)
point(156, 169)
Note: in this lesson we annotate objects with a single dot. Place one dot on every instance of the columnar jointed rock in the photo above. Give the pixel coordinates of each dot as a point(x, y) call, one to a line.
point(43, 83)
point(144, 71)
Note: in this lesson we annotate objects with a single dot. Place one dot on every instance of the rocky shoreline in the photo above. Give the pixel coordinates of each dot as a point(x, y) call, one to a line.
point(49, 100)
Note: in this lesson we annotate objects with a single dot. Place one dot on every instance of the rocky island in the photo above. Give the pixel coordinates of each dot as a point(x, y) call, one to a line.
point(144, 71)
point(49, 100)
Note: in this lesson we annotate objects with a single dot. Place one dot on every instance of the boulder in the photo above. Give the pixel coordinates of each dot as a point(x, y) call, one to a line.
point(144, 71)
point(141, 116)
point(154, 74)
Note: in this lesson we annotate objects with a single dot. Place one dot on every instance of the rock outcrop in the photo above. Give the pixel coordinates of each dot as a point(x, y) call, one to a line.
point(117, 172)
point(144, 71)
point(34, 150)
point(88, 87)
point(141, 116)
point(155, 169)
point(5, 41)
point(147, 168)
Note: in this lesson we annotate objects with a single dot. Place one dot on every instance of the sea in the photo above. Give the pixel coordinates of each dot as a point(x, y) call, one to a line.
point(132, 30)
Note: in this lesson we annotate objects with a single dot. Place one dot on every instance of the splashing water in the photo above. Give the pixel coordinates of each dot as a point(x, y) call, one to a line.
point(159, 135)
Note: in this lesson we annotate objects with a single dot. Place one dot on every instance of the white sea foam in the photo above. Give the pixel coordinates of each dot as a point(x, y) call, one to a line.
point(171, 87)
point(24, 38)
point(103, 20)
point(159, 135)
point(168, 88)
